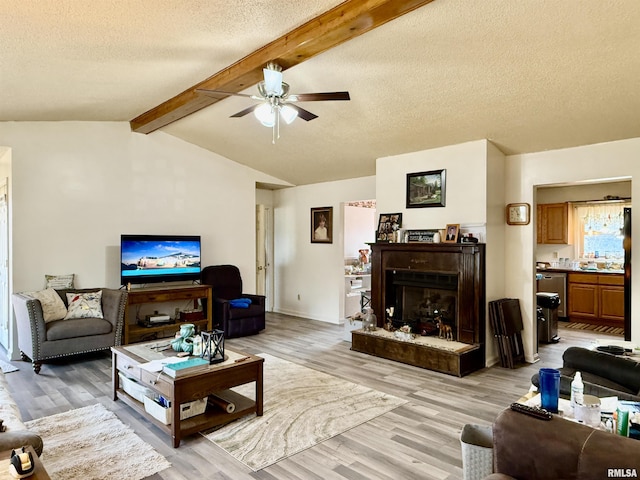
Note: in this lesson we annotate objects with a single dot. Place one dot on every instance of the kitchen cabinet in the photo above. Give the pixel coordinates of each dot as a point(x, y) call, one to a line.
point(553, 223)
point(596, 299)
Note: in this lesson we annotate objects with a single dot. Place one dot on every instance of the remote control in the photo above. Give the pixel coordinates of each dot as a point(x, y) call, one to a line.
point(536, 412)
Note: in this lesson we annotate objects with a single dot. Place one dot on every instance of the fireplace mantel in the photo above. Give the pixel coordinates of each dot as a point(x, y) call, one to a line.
point(466, 262)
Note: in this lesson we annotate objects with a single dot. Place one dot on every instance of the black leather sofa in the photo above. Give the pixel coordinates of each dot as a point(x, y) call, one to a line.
point(603, 374)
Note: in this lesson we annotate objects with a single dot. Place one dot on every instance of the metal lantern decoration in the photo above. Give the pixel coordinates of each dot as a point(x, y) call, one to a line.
point(213, 346)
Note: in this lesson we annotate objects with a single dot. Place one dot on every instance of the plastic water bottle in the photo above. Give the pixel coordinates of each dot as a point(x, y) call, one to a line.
point(577, 390)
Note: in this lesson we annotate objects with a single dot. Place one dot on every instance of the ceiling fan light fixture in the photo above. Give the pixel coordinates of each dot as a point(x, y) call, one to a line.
point(288, 113)
point(272, 82)
point(266, 115)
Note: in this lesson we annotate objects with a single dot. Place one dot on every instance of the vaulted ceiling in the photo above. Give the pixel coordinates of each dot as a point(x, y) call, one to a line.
point(530, 75)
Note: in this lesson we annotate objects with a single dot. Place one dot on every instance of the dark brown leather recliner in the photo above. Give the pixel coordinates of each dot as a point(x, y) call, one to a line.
point(226, 285)
point(526, 448)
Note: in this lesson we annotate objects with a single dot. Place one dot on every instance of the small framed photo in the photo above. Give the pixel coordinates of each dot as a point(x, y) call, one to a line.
point(451, 233)
point(426, 189)
point(322, 225)
point(388, 224)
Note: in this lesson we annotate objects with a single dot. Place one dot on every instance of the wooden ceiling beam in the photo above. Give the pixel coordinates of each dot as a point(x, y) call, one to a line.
point(338, 25)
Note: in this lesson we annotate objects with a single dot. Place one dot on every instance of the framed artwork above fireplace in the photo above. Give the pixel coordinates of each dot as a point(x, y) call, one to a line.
point(426, 189)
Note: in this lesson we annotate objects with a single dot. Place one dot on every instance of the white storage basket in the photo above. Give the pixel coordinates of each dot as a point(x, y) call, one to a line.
point(163, 414)
point(133, 388)
point(477, 451)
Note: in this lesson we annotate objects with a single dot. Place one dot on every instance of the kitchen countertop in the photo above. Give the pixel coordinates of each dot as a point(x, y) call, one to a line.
point(570, 270)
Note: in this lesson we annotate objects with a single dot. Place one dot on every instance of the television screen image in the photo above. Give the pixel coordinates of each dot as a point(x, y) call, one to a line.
point(159, 258)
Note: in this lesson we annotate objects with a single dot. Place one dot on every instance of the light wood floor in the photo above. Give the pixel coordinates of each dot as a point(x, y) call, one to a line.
point(419, 440)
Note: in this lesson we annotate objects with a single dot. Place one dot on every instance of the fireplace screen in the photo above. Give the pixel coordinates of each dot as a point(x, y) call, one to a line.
point(426, 301)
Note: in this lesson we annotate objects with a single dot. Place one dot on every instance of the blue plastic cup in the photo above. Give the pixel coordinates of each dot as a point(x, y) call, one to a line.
point(549, 389)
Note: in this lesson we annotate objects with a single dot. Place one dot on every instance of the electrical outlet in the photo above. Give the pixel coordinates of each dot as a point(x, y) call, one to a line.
point(555, 254)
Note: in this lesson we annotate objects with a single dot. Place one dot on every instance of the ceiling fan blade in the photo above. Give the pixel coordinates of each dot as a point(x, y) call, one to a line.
point(219, 93)
point(242, 113)
point(302, 113)
point(272, 82)
point(318, 97)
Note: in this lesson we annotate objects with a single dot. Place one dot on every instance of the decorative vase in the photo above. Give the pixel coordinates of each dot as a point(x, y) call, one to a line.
point(184, 340)
point(187, 330)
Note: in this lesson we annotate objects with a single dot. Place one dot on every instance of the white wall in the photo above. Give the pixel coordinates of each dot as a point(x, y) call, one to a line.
point(524, 173)
point(495, 258)
point(76, 186)
point(312, 271)
point(466, 176)
point(359, 229)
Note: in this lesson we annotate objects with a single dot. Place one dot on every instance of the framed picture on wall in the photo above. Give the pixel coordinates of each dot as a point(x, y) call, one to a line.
point(322, 225)
point(388, 224)
point(426, 189)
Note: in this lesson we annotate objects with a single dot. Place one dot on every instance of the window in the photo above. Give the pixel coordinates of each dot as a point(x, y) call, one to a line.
point(599, 230)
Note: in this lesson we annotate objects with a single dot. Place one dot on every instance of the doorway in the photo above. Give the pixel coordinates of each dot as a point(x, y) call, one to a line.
point(588, 243)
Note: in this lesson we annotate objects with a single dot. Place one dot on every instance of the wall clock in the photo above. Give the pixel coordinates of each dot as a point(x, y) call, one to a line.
point(518, 213)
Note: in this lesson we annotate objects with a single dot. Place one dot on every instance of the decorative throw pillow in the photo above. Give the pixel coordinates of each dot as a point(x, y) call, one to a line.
point(59, 281)
point(52, 305)
point(84, 305)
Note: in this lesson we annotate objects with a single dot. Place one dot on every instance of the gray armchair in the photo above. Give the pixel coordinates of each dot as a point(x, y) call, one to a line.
point(40, 341)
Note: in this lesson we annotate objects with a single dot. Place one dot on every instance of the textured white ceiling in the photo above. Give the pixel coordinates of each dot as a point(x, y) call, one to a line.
point(528, 75)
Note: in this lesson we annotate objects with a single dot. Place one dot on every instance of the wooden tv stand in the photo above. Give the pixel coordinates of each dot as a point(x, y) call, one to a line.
point(135, 333)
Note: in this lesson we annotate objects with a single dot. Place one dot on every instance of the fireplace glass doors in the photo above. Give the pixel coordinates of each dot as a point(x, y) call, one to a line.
point(423, 300)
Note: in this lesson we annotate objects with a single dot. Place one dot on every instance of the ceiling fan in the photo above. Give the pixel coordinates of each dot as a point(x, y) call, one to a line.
point(276, 101)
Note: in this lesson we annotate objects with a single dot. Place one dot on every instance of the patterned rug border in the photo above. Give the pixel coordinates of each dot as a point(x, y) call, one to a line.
point(248, 449)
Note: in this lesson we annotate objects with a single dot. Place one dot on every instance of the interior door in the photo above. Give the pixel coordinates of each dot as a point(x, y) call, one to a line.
point(5, 308)
point(264, 253)
point(261, 254)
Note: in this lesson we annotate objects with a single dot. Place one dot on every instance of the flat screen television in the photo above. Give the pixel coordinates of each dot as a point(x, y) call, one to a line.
point(159, 258)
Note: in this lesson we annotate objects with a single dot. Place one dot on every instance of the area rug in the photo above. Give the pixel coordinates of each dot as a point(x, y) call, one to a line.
point(302, 407)
point(594, 328)
point(91, 443)
point(6, 367)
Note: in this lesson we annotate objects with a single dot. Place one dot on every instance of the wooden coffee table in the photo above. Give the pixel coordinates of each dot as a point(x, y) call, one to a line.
point(39, 472)
point(238, 369)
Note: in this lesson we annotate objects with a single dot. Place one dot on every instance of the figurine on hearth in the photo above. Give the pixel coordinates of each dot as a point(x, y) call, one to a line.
point(445, 330)
point(369, 322)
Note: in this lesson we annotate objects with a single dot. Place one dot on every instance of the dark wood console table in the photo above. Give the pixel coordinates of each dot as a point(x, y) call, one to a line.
point(133, 332)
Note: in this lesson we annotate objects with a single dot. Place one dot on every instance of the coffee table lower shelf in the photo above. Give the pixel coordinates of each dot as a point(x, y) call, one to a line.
point(212, 417)
point(423, 356)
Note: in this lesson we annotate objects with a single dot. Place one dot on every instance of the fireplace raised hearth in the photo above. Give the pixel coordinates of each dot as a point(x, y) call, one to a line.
point(430, 288)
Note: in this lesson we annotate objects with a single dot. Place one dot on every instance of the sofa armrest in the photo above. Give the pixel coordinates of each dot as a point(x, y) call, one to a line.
point(558, 446)
point(255, 299)
point(18, 438)
point(30, 322)
point(114, 304)
point(618, 370)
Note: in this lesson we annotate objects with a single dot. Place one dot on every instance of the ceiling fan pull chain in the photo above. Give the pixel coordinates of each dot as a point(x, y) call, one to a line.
point(276, 127)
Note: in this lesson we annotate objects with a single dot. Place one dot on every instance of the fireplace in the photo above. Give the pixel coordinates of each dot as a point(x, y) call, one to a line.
point(426, 284)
